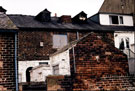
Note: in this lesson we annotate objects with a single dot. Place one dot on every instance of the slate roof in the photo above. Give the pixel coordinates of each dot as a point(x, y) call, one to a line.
point(6, 23)
point(25, 21)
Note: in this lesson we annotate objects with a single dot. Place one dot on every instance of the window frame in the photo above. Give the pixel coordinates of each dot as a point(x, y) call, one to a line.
point(120, 20)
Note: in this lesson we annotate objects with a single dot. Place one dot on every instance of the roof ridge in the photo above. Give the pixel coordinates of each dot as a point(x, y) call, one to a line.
point(18, 15)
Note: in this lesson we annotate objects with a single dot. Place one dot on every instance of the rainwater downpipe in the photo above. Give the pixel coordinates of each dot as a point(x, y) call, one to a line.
point(134, 53)
point(74, 59)
point(16, 70)
point(77, 35)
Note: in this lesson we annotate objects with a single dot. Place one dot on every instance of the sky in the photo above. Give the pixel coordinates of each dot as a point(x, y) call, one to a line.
point(60, 7)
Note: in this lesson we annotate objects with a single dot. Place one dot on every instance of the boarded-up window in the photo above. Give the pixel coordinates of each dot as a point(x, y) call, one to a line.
point(59, 40)
point(56, 70)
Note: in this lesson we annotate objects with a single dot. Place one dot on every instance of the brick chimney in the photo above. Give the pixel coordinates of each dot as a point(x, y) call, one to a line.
point(65, 19)
point(2, 10)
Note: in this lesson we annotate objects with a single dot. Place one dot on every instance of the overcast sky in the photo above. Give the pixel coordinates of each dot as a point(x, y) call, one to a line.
point(61, 7)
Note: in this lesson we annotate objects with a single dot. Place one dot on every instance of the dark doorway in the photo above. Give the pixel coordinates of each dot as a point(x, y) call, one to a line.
point(28, 74)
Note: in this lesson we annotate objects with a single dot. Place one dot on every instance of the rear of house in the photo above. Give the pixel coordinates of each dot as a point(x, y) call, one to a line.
point(8, 53)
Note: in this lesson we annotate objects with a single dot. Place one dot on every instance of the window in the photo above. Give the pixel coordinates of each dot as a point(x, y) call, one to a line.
point(121, 20)
point(56, 70)
point(124, 43)
point(40, 63)
point(116, 19)
point(59, 40)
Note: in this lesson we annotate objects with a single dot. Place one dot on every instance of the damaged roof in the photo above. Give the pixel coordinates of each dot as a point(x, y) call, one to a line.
point(6, 23)
point(25, 21)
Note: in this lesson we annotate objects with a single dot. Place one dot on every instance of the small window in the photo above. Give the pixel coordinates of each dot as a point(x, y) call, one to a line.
point(56, 70)
point(127, 43)
point(40, 63)
point(59, 40)
point(121, 20)
point(124, 43)
point(122, 47)
point(114, 20)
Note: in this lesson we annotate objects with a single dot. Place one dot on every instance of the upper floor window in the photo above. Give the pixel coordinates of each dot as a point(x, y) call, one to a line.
point(59, 40)
point(116, 19)
point(124, 43)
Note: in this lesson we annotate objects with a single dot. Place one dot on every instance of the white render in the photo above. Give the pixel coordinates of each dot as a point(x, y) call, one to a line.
point(39, 73)
point(105, 20)
point(23, 65)
point(61, 59)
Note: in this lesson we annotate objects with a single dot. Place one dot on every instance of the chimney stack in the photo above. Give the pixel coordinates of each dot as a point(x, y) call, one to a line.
point(65, 19)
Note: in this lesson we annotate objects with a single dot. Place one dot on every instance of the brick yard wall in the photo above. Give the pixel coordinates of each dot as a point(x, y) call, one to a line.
point(56, 83)
point(94, 59)
point(7, 64)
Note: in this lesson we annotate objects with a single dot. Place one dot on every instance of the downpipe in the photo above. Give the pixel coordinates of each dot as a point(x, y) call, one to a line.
point(16, 67)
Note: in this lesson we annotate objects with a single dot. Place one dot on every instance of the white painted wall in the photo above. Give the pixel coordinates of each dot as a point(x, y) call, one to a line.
point(104, 19)
point(39, 73)
point(124, 34)
point(61, 59)
point(128, 20)
point(23, 65)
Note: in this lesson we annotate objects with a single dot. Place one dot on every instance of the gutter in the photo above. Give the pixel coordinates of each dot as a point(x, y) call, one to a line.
point(16, 67)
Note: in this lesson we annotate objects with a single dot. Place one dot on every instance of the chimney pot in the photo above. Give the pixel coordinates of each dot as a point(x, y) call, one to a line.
point(65, 19)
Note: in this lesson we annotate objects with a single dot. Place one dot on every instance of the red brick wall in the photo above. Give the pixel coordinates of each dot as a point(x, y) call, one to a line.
point(7, 63)
point(88, 69)
point(29, 43)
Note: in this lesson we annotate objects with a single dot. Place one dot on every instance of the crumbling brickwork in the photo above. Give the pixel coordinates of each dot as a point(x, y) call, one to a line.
point(94, 59)
point(99, 66)
point(7, 62)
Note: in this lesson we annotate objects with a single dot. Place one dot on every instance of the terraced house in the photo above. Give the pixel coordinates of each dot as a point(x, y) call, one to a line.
point(88, 50)
point(8, 53)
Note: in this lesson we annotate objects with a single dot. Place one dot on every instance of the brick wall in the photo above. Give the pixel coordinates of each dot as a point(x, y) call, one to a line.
point(96, 58)
point(7, 64)
point(29, 43)
point(56, 83)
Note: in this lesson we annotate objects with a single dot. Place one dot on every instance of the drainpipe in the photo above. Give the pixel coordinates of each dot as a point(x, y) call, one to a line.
point(134, 52)
point(74, 59)
point(16, 70)
point(77, 35)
